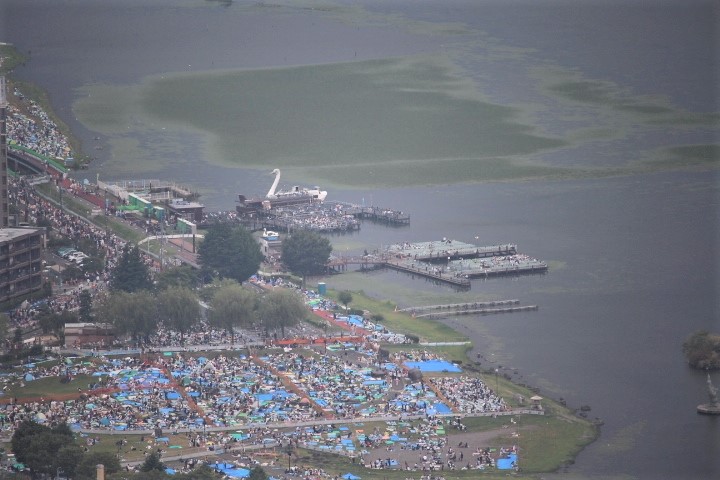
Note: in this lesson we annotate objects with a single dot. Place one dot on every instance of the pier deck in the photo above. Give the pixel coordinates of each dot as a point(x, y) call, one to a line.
point(462, 261)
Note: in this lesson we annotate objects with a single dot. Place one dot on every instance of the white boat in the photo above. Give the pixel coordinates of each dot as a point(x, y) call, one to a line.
point(296, 191)
point(270, 235)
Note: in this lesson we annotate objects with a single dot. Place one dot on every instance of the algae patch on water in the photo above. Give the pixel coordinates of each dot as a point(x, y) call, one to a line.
point(414, 120)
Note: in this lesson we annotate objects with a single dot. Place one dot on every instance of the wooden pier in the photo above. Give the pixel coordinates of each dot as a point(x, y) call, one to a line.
point(480, 311)
point(462, 306)
point(511, 270)
point(369, 261)
point(378, 214)
point(428, 273)
point(441, 251)
point(469, 308)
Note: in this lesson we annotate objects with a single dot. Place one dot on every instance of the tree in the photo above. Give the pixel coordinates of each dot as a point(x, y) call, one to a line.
point(201, 472)
point(258, 473)
point(232, 306)
point(55, 322)
point(702, 350)
point(178, 308)
point(89, 247)
point(71, 272)
point(4, 327)
point(230, 252)
point(306, 253)
point(87, 467)
point(345, 298)
point(85, 311)
point(92, 265)
point(44, 449)
point(131, 313)
point(131, 274)
point(152, 462)
point(181, 276)
point(281, 308)
point(68, 458)
point(17, 337)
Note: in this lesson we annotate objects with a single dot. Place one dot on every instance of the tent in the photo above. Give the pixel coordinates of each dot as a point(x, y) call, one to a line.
point(350, 476)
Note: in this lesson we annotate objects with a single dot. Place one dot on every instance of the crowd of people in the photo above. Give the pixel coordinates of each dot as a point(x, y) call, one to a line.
point(469, 394)
point(36, 131)
point(495, 263)
point(323, 217)
point(189, 393)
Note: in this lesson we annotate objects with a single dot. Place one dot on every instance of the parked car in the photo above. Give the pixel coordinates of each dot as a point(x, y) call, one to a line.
point(65, 251)
point(77, 257)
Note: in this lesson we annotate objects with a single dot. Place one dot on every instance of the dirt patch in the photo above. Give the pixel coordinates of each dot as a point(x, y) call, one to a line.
point(476, 441)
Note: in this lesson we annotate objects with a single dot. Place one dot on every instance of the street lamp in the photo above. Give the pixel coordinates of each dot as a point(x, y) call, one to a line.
point(496, 382)
point(289, 453)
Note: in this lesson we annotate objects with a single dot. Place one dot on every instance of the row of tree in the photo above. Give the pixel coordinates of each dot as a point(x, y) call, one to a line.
point(231, 252)
point(229, 255)
point(227, 252)
point(231, 306)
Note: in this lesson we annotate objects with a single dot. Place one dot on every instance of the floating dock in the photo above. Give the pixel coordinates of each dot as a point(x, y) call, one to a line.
point(446, 250)
point(306, 213)
point(376, 214)
point(423, 259)
point(499, 265)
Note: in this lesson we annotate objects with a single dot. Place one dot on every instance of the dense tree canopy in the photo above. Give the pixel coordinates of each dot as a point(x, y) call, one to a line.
point(281, 308)
point(45, 450)
point(233, 306)
point(4, 327)
point(257, 473)
point(230, 252)
point(180, 276)
point(87, 468)
point(178, 309)
point(131, 274)
point(54, 322)
point(130, 313)
point(85, 312)
point(92, 265)
point(702, 350)
point(152, 462)
point(306, 253)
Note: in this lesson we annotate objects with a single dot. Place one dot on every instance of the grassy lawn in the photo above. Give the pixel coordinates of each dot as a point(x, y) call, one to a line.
point(544, 443)
point(118, 228)
point(135, 445)
point(426, 329)
point(44, 387)
point(69, 202)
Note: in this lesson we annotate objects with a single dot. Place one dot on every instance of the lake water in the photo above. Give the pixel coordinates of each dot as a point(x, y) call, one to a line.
point(634, 258)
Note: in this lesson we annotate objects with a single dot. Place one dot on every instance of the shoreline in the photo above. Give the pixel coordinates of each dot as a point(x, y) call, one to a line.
point(468, 349)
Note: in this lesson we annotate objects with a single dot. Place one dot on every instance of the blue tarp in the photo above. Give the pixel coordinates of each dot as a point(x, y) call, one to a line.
point(434, 366)
point(507, 463)
point(231, 471)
